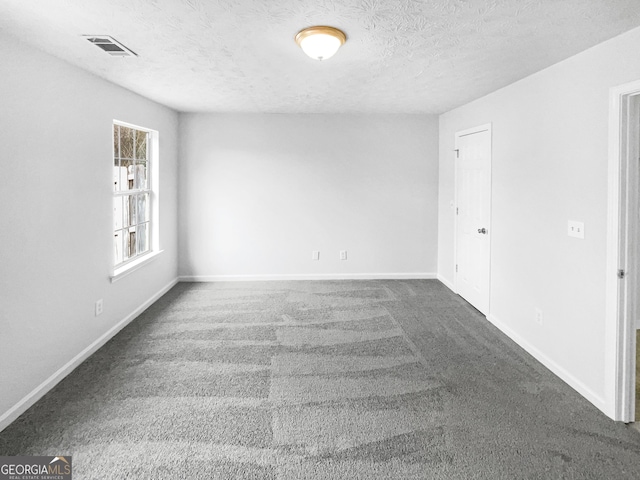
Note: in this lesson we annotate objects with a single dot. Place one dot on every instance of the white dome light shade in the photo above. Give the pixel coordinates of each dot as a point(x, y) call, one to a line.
point(320, 46)
point(320, 43)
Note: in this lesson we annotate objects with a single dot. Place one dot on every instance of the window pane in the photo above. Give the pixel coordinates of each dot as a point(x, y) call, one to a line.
point(143, 237)
point(117, 178)
point(125, 175)
point(140, 181)
point(142, 209)
point(121, 177)
point(130, 217)
point(141, 145)
point(126, 142)
point(116, 143)
point(125, 212)
point(117, 213)
point(116, 158)
point(130, 242)
point(117, 246)
point(131, 170)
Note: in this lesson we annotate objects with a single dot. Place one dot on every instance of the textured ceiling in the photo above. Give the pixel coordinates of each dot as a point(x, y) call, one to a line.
point(409, 56)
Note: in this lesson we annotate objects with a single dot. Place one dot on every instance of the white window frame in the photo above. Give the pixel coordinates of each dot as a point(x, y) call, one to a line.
point(128, 266)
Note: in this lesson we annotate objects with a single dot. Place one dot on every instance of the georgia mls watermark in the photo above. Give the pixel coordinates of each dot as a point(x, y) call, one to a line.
point(35, 468)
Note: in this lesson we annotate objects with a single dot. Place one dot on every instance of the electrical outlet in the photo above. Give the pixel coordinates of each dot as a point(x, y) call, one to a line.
point(343, 254)
point(538, 316)
point(575, 229)
point(315, 255)
point(99, 307)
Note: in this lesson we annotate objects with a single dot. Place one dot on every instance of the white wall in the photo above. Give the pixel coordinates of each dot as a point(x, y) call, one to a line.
point(56, 215)
point(550, 134)
point(259, 193)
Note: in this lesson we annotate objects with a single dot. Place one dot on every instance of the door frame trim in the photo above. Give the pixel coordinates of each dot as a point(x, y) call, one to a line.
point(620, 338)
point(463, 133)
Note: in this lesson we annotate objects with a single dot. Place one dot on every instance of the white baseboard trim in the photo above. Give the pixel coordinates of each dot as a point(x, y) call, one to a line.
point(310, 276)
point(36, 394)
point(446, 283)
point(564, 375)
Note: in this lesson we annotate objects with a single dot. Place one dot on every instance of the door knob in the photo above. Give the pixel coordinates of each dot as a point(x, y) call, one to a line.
point(482, 230)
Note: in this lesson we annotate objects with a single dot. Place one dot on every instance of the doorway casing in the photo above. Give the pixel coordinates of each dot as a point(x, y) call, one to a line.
point(623, 228)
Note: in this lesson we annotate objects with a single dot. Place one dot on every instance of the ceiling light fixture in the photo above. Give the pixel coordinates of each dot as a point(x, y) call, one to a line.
point(320, 42)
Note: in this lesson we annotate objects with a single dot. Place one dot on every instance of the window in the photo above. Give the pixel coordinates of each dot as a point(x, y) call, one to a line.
point(132, 194)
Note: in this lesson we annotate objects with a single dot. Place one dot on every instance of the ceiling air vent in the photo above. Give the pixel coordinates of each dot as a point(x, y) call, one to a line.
point(110, 45)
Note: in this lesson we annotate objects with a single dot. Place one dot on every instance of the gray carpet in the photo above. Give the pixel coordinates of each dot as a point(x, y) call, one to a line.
point(320, 380)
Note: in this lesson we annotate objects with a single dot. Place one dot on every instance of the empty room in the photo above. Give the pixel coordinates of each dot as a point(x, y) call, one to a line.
point(319, 239)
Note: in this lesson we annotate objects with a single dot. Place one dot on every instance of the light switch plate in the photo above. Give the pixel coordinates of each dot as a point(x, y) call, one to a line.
point(576, 229)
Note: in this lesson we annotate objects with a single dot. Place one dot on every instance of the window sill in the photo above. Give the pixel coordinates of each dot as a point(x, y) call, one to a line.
point(125, 270)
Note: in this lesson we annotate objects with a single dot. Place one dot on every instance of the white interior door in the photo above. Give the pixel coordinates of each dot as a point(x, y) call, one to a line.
point(473, 216)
